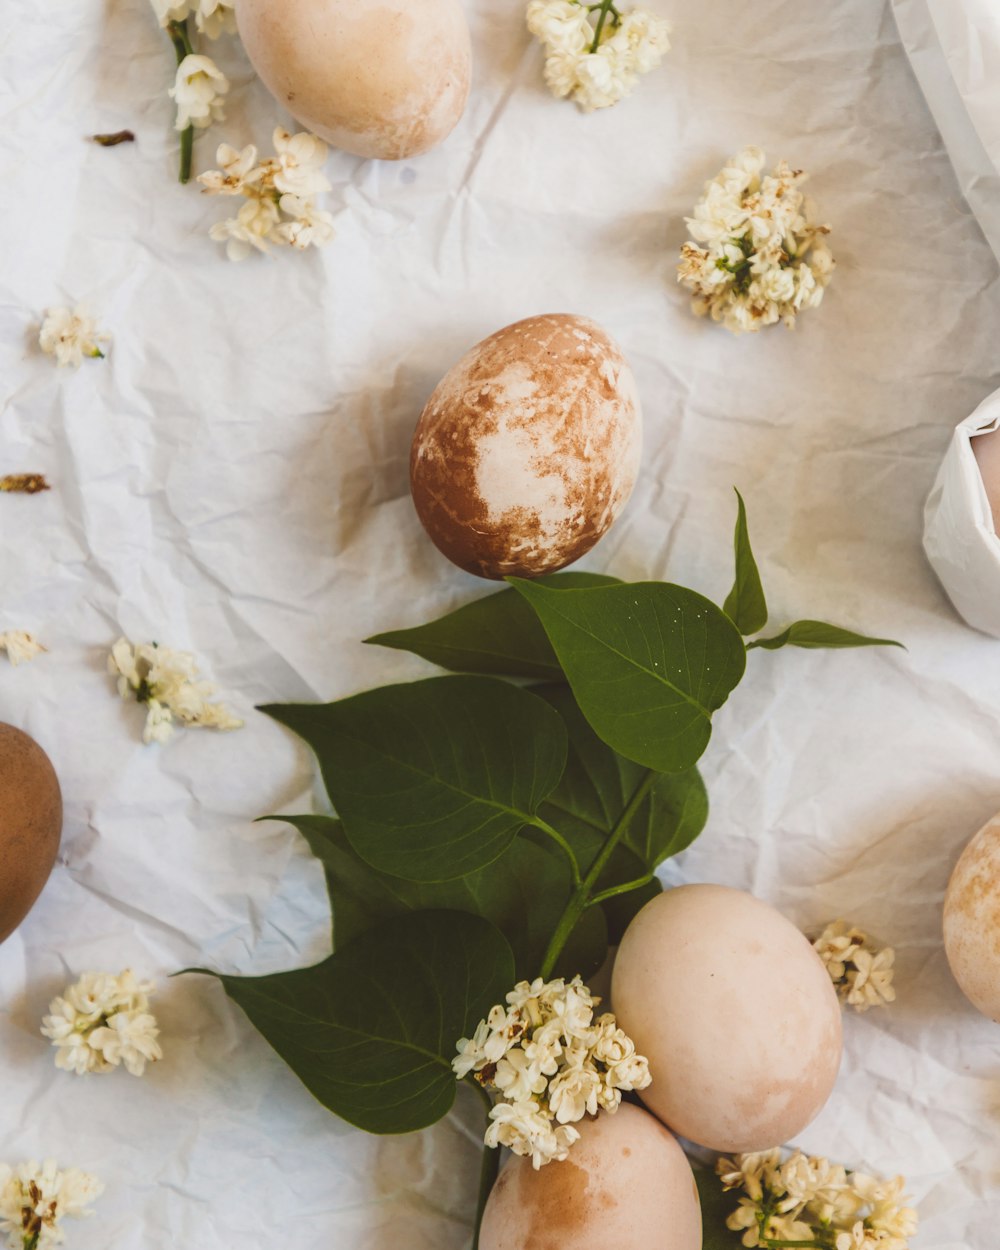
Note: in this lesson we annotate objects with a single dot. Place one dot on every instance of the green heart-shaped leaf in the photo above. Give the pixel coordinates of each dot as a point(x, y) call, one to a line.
point(433, 779)
point(371, 1032)
point(522, 894)
point(499, 634)
point(818, 634)
point(595, 789)
point(648, 663)
point(745, 605)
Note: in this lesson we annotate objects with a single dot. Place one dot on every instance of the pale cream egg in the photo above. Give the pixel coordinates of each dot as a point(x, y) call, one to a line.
point(736, 1014)
point(972, 921)
point(379, 78)
point(986, 449)
point(528, 449)
point(626, 1185)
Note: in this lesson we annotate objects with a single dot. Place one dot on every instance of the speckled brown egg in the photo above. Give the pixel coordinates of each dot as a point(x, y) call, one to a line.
point(528, 449)
point(379, 78)
point(972, 921)
point(30, 825)
point(626, 1185)
point(736, 1014)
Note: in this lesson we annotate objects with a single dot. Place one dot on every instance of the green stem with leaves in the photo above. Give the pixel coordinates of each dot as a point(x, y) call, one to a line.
point(583, 896)
point(178, 32)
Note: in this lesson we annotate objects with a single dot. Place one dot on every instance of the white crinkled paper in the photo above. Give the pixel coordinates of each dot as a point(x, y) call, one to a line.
point(232, 480)
point(954, 46)
point(959, 534)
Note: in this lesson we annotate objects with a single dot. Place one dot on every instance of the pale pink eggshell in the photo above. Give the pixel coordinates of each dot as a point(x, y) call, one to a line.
point(972, 921)
point(380, 78)
point(736, 1014)
point(626, 1185)
point(528, 449)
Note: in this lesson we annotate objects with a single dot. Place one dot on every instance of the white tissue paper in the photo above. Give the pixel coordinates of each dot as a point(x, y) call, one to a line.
point(232, 480)
point(959, 535)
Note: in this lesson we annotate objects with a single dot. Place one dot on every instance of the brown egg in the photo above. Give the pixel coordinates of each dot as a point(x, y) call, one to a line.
point(30, 825)
point(379, 78)
point(972, 921)
point(626, 1185)
point(736, 1014)
point(528, 449)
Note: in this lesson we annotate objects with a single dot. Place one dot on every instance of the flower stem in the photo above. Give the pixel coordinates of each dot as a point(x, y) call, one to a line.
point(608, 9)
point(581, 896)
point(178, 32)
point(488, 1168)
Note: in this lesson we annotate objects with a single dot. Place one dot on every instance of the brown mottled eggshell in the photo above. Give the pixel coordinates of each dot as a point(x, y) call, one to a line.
point(528, 449)
point(30, 825)
point(626, 1185)
point(972, 921)
point(386, 79)
point(736, 1014)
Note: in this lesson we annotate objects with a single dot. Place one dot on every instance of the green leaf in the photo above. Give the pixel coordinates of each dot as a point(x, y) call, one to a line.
point(648, 663)
point(745, 605)
point(716, 1206)
point(522, 894)
point(433, 779)
point(595, 789)
point(499, 634)
point(816, 634)
point(371, 1031)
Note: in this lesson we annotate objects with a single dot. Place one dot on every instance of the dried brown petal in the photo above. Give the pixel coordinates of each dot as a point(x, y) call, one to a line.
point(112, 140)
point(24, 483)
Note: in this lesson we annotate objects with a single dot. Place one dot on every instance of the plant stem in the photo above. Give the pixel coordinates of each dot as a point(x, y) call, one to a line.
point(615, 890)
point(607, 9)
point(178, 32)
point(488, 1168)
point(580, 897)
point(560, 841)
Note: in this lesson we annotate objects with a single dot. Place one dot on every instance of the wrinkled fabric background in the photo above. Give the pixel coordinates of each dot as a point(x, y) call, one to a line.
point(233, 480)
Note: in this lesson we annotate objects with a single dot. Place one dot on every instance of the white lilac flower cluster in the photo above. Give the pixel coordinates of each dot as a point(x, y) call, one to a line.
point(199, 84)
point(809, 1201)
point(551, 1063)
point(35, 1198)
point(280, 195)
point(20, 646)
point(70, 334)
point(594, 54)
point(861, 971)
point(761, 259)
point(166, 681)
point(212, 17)
point(101, 1022)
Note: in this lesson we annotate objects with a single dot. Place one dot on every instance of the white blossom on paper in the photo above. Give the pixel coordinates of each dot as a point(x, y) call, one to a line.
point(594, 53)
point(20, 646)
point(551, 1063)
point(197, 91)
point(103, 1021)
point(811, 1201)
point(167, 682)
point(212, 17)
point(761, 258)
point(35, 1198)
point(280, 195)
point(861, 971)
point(70, 334)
